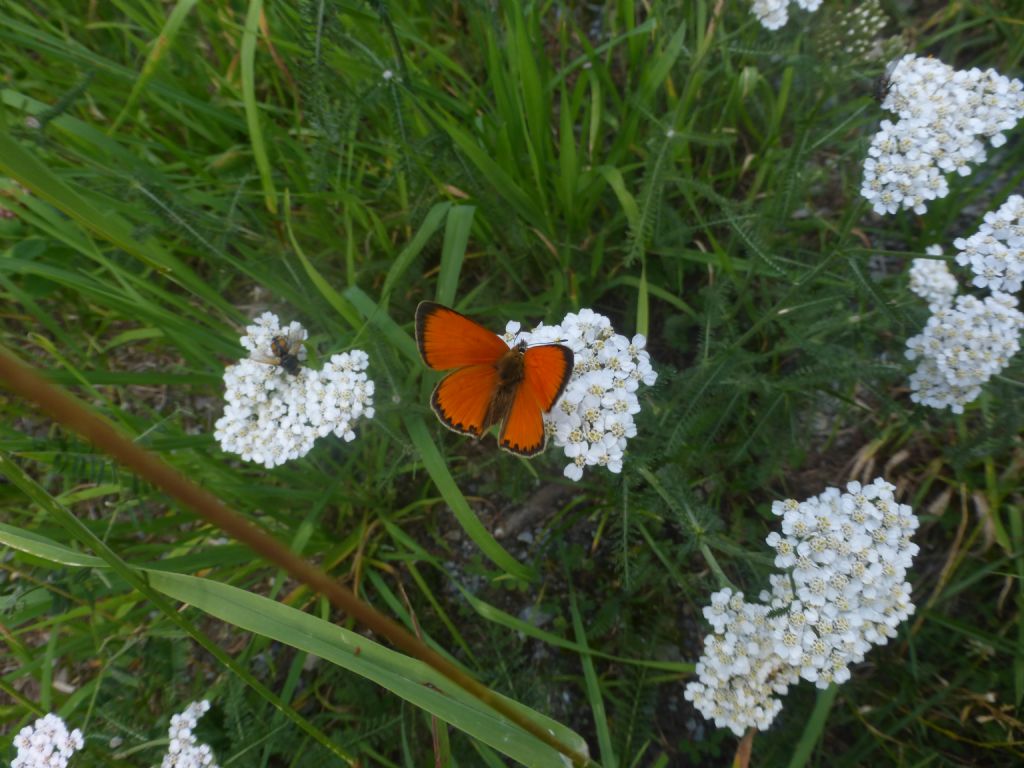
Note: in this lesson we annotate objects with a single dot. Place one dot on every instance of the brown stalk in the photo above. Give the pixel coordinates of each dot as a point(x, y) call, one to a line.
point(68, 411)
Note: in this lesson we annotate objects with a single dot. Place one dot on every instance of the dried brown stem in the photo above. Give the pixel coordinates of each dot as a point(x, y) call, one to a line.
point(68, 411)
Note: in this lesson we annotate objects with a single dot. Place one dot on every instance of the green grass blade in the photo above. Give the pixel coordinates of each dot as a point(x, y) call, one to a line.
point(19, 164)
point(593, 686)
point(335, 299)
point(252, 115)
point(814, 728)
point(456, 237)
point(376, 317)
point(431, 223)
point(160, 46)
point(438, 471)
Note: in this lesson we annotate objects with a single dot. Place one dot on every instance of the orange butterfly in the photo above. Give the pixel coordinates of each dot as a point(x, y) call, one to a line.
point(492, 383)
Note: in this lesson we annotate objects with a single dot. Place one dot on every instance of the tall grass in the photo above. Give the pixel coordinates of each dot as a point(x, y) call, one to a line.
point(176, 169)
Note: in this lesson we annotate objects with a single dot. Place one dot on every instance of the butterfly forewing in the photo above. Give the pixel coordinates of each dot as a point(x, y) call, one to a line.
point(547, 371)
point(449, 340)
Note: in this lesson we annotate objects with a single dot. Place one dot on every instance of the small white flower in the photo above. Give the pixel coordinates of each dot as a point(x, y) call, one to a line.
point(932, 281)
point(593, 420)
point(962, 347)
point(272, 415)
point(46, 743)
point(773, 14)
point(995, 253)
point(182, 749)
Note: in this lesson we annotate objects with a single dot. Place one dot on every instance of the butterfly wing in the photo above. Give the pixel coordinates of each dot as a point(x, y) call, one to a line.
point(548, 368)
point(546, 371)
point(449, 340)
point(462, 399)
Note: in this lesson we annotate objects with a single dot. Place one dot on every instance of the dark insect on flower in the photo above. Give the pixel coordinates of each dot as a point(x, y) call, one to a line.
point(883, 83)
point(285, 353)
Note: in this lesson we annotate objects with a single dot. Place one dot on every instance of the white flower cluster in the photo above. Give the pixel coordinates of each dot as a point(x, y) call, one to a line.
point(593, 419)
point(46, 743)
point(962, 346)
point(773, 14)
point(932, 281)
point(943, 116)
point(183, 751)
point(843, 591)
point(272, 415)
point(995, 253)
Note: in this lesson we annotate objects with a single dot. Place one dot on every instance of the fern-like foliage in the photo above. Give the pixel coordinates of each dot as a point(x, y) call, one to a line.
point(651, 198)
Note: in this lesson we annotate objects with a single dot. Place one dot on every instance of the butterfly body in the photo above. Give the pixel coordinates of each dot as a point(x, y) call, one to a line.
point(491, 383)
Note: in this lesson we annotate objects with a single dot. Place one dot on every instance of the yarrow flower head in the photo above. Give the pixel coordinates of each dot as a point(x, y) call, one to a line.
point(995, 253)
point(46, 743)
point(773, 14)
point(273, 415)
point(183, 751)
point(944, 117)
point(842, 591)
point(962, 347)
point(932, 281)
point(593, 420)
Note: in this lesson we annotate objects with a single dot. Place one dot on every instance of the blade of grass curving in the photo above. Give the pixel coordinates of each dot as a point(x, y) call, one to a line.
point(26, 541)
point(456, 237)
point(21, 165)
point(431, 223)
point(24, 381)
point(593, 686)
point(501, 181)
point(335, 299)
point(376, 317)
point(814, 728)
point(252, 115)
point(401, 675)
point(618, 184)
point(160, 46)
point(438, 471)
point(498, 616)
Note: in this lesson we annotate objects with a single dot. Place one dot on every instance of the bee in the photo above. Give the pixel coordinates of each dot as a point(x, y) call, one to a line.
point(285, 353)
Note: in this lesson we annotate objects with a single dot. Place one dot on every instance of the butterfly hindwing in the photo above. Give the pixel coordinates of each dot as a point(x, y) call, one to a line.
point(522, 431)
point(546, 371)
point(462, 398)
point(447, 339)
